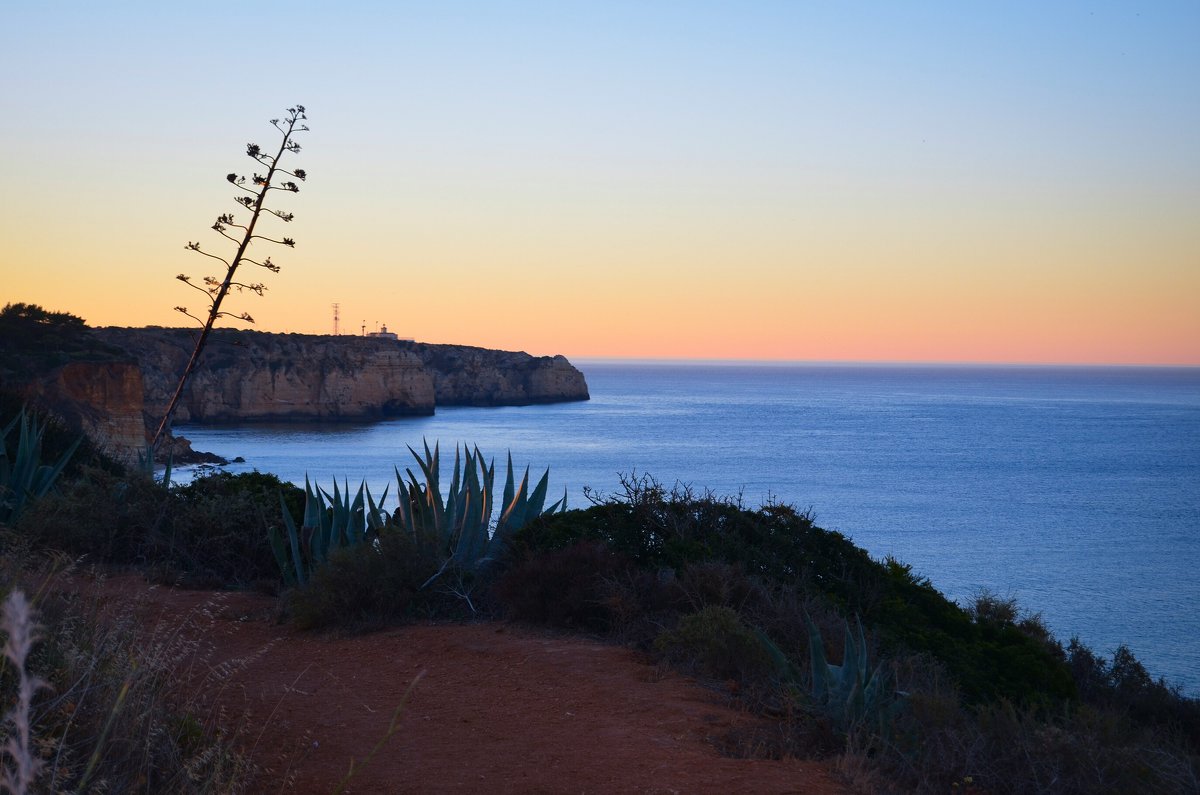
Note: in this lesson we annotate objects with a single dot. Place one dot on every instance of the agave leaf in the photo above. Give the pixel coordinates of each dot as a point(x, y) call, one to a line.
point(537, 499)
point(514, 512)
point(404, 508)
point(848, 672)
point(323, 531)
point(311, 516)
point(463, 552)
point(433, 495)
point(297, 560)
point(820, 668)
point(785, 670)
point(46, 475)
point(454, 498)
point(338, 520)
point(279, 551)
point(23, 476)
point(24, 463)
point(489, 480)
point(509, 491)
point(356, 528)
point(166, 481)
point(559, 506)
point(377, 518)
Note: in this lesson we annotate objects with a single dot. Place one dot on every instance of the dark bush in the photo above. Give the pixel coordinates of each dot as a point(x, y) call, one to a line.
point(211, 532)
point(565, 588)
point(714, 642)
point(776, 549)
point(370, 585)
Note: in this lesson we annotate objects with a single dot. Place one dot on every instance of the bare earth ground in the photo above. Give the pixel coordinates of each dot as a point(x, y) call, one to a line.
point(497, 708)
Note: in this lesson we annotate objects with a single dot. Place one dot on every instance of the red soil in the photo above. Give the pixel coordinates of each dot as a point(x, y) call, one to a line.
point(495, 707)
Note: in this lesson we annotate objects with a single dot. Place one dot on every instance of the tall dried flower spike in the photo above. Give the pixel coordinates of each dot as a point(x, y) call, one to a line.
point(217, 288)
point(16, 619)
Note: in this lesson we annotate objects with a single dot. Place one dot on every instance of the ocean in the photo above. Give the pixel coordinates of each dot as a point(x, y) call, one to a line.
point(1075, 490)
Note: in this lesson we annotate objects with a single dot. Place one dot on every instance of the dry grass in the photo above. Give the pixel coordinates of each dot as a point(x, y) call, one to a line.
point(98, 704)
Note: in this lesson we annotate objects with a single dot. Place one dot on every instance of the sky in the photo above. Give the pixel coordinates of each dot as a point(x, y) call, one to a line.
point(957, 182)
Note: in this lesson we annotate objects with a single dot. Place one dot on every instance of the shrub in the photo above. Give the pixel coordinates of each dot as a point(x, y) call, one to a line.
point(778, 550)
point(714, 642)
point(369, 585)
point(218, 527)
point(565, 588)
point(212, 532)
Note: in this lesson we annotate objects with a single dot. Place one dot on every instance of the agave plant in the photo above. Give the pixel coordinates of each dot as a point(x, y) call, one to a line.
point(330, 521)
point(23, 476)
point(853, 692)
point(458, 525)
point(145, 464)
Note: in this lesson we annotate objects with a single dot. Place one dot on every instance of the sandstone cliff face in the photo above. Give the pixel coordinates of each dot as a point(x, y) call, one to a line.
point(101, 399)
point(467, 376)
point(255, 376)
point(252, 376)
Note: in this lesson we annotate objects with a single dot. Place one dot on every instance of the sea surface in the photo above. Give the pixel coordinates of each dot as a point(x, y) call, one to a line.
point(1075, 490)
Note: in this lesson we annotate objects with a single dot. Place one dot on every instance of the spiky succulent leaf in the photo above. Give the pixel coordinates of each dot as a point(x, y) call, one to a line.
point(297, 573)
point(23, 476)
point(509, 490)
point(537, 498)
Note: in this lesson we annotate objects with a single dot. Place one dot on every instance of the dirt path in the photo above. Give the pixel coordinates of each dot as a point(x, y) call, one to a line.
point(497, 708)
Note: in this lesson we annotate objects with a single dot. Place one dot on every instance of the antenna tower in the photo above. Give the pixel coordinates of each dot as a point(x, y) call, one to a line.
point(336, 307)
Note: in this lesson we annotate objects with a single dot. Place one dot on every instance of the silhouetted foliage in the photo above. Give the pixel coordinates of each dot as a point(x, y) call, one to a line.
point(210, 532)
point(34, 340)
point(565, 587)
point(783, 549)
point(216, 288)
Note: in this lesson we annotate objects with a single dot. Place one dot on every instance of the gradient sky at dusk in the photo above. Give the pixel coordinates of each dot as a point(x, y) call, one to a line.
point(958, 181)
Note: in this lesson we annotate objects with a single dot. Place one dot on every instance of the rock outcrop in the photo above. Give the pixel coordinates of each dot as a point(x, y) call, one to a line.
point(249, 376)
point(101, 399)
point(467, 376)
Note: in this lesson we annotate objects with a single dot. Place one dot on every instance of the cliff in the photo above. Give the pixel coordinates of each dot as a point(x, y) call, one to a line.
point(255, 376)
point(100, 398)
point(467, 376)
point(54, 362)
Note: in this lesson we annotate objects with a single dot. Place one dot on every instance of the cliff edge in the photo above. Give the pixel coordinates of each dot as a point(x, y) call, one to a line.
point(253, 376)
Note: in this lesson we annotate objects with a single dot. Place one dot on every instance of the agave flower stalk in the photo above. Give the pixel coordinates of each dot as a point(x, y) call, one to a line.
point(216, 289)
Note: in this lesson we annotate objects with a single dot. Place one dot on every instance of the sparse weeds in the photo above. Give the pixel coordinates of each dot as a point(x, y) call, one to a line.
point(111, 716)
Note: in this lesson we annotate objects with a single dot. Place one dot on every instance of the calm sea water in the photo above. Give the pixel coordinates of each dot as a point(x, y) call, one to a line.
point(1076, 490)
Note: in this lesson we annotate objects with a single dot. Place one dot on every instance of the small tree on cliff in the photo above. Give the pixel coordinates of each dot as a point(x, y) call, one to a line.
point(255, 194)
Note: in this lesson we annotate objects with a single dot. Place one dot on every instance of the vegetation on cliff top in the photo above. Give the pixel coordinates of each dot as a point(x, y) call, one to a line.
point(34, 341)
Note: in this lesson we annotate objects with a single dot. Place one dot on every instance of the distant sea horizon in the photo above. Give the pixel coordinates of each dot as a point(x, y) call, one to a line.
point(768, 362)
point(1073, 488)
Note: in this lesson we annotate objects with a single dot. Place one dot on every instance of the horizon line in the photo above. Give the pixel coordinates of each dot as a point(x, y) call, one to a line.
point(726, 361)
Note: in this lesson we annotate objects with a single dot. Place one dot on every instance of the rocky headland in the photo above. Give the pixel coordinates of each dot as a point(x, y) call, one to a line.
point(115, 383)
point(252, 376)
